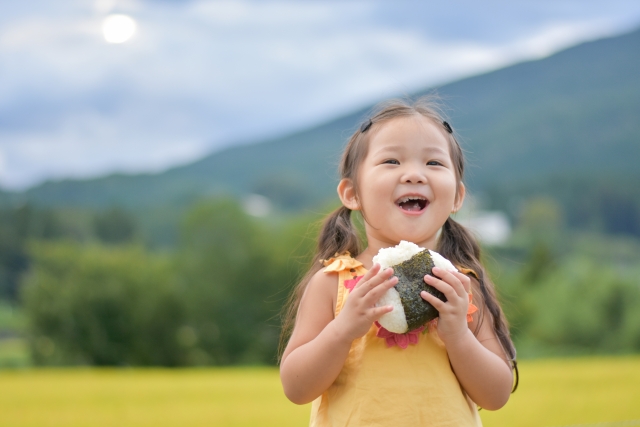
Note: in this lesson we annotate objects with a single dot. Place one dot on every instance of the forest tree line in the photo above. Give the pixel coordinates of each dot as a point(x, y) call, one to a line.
point(93, 293)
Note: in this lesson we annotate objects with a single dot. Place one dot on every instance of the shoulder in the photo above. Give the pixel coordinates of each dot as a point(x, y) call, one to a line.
point(322, 283)
point(342, 262)
point(315, 311)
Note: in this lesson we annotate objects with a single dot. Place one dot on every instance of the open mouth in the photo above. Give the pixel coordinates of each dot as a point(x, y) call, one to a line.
point(412, 203)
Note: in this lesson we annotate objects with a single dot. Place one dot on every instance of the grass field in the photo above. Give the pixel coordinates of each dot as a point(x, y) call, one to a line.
point(552, 393)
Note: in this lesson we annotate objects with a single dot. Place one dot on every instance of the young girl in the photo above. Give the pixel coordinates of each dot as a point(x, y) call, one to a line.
point(402, 170)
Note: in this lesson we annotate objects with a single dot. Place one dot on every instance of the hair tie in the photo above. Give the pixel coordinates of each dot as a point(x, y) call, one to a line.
point(365, 126)
point(447, 127)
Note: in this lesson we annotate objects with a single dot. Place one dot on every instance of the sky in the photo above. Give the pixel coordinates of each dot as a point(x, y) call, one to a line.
point(197, 75)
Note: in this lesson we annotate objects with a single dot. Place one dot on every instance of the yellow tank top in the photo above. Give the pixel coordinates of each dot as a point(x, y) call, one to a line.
point(383, 386)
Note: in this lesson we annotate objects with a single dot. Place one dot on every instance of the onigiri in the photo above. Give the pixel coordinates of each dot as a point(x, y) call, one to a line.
point(410, 263)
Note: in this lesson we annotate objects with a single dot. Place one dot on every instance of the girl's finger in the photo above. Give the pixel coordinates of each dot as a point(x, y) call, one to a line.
point(365, 286)
point(369, 274)
point(464, 279)
point(377, 312)
point(433, 300)
point(376, 293)
point(449, 278)
point(444, 287)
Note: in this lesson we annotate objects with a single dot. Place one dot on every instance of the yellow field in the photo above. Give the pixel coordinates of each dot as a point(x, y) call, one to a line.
point(552, 393)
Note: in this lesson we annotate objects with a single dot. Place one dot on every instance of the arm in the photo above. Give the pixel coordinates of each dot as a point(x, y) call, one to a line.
point(320, 343)
point(479, 362)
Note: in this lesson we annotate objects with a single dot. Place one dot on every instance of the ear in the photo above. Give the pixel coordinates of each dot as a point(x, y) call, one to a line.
point(462, 191)
point(347, 194)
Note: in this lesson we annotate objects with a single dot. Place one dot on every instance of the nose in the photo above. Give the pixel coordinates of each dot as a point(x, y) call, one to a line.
point(414, 174)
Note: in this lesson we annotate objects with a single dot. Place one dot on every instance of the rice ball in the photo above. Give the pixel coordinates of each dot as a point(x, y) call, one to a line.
point(406, 293)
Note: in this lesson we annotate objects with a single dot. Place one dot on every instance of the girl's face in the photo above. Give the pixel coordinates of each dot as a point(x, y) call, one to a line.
point(407, 183)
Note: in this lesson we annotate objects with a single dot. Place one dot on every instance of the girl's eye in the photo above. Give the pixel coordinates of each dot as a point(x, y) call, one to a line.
point(433, 163)
point(391, 162)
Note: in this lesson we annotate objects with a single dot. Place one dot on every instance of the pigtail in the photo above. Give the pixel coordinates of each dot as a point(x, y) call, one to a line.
point(458, 245)
point(337, 235)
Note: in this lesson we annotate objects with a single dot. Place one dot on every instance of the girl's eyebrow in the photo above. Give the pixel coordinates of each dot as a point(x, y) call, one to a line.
point(436, 150)
point(400, 147)
point(390, 148)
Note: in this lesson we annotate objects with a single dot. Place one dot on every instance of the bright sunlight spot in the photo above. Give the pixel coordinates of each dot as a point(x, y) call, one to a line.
point(118, 28)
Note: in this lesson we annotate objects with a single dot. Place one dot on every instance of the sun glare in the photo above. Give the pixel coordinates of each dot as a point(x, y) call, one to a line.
point(118, 28)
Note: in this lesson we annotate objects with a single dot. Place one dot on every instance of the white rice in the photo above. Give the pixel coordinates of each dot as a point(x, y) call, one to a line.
point(441, 262)
point(387, 257)
point(396, 321)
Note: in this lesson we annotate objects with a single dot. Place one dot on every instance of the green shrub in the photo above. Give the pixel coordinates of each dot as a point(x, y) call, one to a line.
point(215, 300)
point(103, 306)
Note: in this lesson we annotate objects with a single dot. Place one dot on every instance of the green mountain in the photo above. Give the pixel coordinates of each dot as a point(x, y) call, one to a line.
point(563, 125)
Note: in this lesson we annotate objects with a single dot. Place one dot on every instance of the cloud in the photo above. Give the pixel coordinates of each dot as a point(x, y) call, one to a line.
point(68, 152)
point(554, 36)
point(199, 75)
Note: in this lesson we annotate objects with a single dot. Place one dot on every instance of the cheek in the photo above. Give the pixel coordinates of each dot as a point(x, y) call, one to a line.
point(450, 190)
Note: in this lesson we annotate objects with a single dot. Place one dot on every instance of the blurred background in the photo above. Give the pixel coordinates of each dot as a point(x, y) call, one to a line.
point(164, 165)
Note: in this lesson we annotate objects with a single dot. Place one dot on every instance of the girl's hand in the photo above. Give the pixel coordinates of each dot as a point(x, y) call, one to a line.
point(452, 323)
point(359, 312)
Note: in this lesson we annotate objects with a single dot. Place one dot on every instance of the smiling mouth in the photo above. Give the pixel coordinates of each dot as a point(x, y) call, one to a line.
point(412, 203)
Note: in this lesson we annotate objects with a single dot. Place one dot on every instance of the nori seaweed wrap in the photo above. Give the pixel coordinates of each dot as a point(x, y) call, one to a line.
point(410, 274)
point(410, 264)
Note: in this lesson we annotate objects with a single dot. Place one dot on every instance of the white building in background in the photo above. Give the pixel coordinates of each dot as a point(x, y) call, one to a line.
point(491, 228)
point(256, 205)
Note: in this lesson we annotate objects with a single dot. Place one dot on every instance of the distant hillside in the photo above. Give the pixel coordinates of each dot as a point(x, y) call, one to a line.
point(572, 114)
